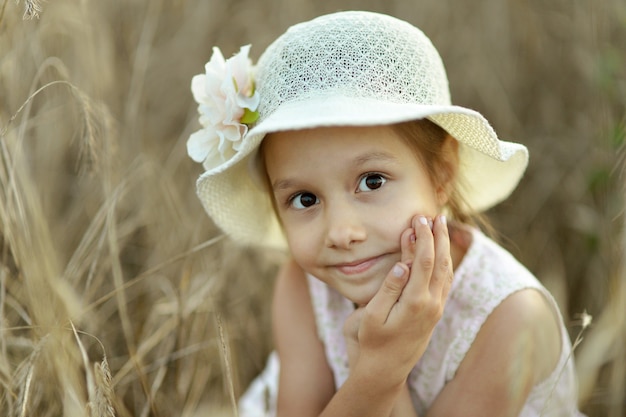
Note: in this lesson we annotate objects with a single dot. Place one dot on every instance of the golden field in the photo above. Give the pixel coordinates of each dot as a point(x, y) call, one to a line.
point(117, 294)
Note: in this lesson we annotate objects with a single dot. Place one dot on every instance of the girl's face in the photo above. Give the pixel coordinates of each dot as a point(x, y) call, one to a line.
point(344, 196)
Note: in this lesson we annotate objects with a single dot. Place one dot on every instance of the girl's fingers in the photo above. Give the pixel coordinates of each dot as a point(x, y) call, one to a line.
point(442, 274)
point(381, 304)
point(407, 245)
point(423, 257)
point(425, 268)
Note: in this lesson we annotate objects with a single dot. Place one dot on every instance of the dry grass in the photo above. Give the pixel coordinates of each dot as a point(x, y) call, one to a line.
point(118, 296)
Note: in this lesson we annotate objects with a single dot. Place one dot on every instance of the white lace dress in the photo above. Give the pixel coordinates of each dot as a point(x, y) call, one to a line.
point(486, 276)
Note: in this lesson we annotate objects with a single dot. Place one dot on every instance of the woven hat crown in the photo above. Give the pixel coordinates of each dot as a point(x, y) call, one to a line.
point(354, 55)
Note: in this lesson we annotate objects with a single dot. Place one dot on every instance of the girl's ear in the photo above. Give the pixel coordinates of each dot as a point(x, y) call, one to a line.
point(448, 170)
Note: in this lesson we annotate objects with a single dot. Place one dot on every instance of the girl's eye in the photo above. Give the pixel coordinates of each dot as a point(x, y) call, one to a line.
point(370, 182)
point(304, 200)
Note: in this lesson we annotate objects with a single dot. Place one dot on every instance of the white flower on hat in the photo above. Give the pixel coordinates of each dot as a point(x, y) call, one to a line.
point(227, 103)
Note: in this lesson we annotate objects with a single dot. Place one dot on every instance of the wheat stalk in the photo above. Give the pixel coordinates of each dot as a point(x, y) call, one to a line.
point(32, 8)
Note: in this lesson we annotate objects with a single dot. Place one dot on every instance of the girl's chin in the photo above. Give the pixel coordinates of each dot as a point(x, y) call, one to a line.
point(361, 300)
point(361, 295)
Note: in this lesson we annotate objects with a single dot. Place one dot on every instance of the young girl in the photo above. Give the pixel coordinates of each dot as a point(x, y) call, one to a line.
point(343, 148)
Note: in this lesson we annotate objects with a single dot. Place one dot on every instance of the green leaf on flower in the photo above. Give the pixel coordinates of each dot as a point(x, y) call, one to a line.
point(249, 116)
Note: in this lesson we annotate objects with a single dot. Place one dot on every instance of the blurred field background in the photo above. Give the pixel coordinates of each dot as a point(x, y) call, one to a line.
point(117, 294)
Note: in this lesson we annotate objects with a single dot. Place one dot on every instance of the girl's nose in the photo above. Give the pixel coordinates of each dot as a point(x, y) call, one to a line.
point(344, 228)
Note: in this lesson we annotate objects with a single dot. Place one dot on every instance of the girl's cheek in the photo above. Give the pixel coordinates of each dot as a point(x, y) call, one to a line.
point(300, 243)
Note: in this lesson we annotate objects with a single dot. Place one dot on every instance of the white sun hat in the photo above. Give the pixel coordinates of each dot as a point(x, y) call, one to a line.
point(342, 69)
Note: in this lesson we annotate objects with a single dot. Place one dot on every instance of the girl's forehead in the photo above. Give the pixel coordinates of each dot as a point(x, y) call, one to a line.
point(320, 147)
point(324, 140)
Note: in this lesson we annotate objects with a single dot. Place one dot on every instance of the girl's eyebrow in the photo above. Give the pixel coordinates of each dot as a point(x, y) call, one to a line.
point(285, 184)
point(376, 156)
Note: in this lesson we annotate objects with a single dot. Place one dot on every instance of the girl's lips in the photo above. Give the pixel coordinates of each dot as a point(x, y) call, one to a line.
point(357, 267)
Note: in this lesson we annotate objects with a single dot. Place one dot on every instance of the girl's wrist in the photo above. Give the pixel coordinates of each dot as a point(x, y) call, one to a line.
point(378, 381)
point(366, 394)
point(403, 406)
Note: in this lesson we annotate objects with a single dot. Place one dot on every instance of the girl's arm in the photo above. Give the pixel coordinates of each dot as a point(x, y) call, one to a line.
point(518, 346)
point(306, 381)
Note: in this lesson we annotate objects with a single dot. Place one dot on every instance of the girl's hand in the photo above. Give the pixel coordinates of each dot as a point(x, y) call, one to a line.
point(386, 338)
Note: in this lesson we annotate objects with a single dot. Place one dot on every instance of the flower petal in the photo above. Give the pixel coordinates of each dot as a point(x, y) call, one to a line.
point(248, 102)
point(198, 83)
point(239, 66)
point(200, 144)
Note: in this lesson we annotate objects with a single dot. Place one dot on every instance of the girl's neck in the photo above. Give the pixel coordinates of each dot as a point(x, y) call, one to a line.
point(460, 241)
